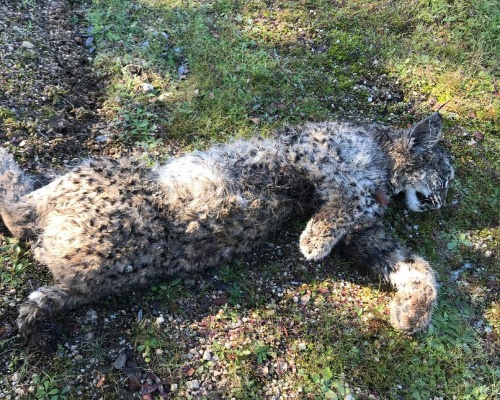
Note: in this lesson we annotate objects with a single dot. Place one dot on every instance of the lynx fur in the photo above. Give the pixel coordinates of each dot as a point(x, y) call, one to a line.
point(110, 226)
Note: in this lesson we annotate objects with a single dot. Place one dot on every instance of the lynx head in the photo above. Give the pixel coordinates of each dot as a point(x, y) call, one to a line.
point(422, 168)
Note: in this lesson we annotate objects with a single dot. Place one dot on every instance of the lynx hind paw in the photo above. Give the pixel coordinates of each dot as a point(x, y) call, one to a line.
point(40, 334)
point(316, 242)
point(411, 308)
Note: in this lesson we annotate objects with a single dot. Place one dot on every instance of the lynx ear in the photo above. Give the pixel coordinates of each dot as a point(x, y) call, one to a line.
point(426, 133)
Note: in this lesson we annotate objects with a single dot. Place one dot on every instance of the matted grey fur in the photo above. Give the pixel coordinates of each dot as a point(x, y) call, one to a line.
point(110, 226)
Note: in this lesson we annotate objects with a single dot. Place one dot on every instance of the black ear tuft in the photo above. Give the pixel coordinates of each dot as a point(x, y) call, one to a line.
point(426, 133)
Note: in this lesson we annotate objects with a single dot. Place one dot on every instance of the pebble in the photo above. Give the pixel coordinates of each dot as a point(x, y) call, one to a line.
point(101, 139)
point(119, 363)
point(28, 45)
point(147, 88)
point(207, 356)
point(193, 385)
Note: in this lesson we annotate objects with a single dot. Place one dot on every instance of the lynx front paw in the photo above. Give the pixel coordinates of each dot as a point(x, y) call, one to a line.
point(316, 243)
point(411, 311)
point(411, 308)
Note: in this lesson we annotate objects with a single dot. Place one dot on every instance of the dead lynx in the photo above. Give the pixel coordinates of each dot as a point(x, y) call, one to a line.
point(110, 226)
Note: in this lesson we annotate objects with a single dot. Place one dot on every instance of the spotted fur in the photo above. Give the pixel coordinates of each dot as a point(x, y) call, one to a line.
point(109, 226)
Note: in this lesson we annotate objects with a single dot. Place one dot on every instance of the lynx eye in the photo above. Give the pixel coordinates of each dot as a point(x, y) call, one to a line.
point(423, 198)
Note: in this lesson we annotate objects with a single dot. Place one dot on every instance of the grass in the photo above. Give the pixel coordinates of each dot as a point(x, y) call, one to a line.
point(191, 73)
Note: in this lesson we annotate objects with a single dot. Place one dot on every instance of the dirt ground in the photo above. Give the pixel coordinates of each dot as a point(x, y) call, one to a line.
point(49, 97)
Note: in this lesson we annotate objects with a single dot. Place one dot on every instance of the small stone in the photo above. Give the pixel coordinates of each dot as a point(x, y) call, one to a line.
point(101, 138)
point(89, 336)
point(20, 391)
point(282, 366)
point(488, 253)
point(28, 45)
point(302, 346)
point(193, 385)
point(160, 320)
point(147, 87)
point(174, 387)
point(207, 356)
point(119, 363)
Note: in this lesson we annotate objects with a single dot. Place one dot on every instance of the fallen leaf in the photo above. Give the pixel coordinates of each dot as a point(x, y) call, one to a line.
point(101, 382)
point(305, 299)
point(188, 371)
point(220, 301)
point(256, 121)
point(478, 135)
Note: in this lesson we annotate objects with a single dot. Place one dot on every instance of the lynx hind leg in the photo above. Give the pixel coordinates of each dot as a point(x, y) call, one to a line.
point(13, 182)
point(410, 275)
point(34, 320)
point(411, 308)
point(13, 185)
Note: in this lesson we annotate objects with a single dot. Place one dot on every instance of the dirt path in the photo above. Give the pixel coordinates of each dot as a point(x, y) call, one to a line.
point(49, 92)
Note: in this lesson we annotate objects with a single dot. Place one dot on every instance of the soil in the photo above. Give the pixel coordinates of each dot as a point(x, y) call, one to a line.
point(50, 93)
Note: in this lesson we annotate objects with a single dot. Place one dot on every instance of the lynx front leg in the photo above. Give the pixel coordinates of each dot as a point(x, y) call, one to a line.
point(332, 221)
point(324, 230)
point(411, 275)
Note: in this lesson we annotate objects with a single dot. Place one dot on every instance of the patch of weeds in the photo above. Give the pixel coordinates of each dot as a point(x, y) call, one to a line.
point(47, 389)
point(14, 265)
point(234, 280)
point(235, 293)
point(148, 347)
point(168, 291)
point(457, 240)
point(330, 386)
point(262, 353)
